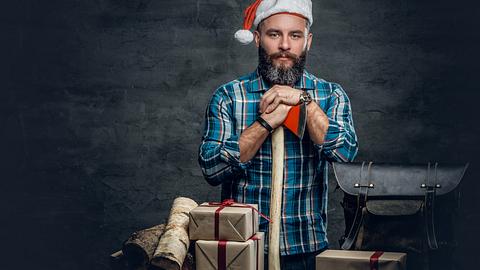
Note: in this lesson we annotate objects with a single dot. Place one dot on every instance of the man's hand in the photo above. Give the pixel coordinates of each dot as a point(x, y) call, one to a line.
point(278, 116)
point(279, 94)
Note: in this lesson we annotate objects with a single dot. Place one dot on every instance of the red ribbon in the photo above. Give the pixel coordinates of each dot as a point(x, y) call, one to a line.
point(222, 253)
point(230, 203)
point(374, 260)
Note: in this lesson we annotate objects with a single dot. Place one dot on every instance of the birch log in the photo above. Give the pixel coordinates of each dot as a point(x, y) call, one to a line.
point(173, 245)
point(140, 246)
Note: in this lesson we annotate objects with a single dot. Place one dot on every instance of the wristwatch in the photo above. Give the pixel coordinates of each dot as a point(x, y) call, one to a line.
point(305, 98)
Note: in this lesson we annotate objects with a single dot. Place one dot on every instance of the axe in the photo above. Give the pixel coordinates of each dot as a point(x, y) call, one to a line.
point(295, 122)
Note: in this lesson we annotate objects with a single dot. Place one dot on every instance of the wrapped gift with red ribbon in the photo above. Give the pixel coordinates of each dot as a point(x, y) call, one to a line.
point(223, 255)
point(360, 260)
point(228, 221)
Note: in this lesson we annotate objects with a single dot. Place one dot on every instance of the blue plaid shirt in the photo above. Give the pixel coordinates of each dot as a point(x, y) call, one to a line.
point(233, 108)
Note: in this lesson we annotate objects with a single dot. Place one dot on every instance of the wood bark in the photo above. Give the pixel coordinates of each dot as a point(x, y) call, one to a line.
point(140, 246)
point(174, 243)
point(276, 199)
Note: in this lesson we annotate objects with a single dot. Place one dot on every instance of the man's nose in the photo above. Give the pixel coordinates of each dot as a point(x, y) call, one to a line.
point(284, 43)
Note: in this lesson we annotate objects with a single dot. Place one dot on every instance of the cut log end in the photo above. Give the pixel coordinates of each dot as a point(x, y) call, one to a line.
point(141, 245)
point(136, 255)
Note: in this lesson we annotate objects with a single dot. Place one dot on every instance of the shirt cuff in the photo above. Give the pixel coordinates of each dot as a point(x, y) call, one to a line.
point(334, 136)
point(230, 153)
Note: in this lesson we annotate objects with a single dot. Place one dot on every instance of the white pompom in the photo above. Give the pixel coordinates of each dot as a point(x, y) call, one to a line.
point(244, 36)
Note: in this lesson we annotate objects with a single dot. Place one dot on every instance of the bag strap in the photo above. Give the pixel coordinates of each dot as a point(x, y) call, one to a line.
point(429, 206)
point(363, 186)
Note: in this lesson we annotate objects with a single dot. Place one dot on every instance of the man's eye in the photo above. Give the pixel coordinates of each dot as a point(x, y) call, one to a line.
point(296, 36)
point(273, 35)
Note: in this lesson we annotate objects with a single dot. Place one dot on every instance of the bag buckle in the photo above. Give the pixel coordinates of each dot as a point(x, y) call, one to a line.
point(357, 185)
point(430, 187)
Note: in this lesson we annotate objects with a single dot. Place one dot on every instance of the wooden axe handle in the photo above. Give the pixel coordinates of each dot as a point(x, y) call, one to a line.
point(276, 199)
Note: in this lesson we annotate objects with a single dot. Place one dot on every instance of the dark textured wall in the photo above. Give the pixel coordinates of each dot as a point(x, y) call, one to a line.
point(101, 108)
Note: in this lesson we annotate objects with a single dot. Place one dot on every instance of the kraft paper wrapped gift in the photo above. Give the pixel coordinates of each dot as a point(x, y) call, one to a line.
point(223, 221)
point(229, 255)
point(360, 260)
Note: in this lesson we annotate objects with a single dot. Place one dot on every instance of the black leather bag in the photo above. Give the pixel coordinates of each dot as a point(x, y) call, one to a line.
point(402, 208)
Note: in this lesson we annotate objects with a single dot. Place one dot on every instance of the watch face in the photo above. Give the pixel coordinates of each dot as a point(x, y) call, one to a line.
point(305, 97)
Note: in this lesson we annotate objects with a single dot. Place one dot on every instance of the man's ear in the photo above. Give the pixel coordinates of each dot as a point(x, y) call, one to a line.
point(256, 36)
point(309, 41)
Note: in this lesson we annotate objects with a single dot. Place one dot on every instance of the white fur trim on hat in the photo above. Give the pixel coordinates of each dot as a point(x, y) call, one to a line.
point(270, 7)
point(244, 36)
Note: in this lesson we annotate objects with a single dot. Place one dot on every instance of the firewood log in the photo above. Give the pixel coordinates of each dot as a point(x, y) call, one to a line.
point(140, 246)
point(174, 243)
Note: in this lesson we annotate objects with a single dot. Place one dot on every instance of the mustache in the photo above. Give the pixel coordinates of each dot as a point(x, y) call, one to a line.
point(283, 55)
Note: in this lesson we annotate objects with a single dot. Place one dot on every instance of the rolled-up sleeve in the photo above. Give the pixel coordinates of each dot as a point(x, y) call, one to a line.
point(341, 142)
point(219, 153)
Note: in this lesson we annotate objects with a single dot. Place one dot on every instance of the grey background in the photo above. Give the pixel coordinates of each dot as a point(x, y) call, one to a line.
point(102, 106)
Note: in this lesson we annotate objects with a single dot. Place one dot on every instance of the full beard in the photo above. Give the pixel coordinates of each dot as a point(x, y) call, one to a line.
point(281, 74)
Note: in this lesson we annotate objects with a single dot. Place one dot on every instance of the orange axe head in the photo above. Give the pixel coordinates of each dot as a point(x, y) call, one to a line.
point(296, 120)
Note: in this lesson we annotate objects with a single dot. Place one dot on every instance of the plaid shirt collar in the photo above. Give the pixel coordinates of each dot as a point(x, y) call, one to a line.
point(258, 84)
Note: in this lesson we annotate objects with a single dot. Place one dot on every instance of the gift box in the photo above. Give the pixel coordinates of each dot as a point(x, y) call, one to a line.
point(360, 260)
point(223, 255)
point(228, 221)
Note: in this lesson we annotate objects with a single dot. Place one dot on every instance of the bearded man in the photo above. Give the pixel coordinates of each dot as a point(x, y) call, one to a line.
point(236, 148)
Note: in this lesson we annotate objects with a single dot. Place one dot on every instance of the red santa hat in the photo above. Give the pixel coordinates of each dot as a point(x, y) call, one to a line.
point(262, 9)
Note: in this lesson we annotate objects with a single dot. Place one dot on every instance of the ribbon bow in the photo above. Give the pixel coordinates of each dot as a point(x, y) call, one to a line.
point(230, 203)
point(224, 203)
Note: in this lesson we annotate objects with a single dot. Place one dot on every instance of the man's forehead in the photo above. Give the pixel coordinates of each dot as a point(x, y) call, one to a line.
point(285, 22)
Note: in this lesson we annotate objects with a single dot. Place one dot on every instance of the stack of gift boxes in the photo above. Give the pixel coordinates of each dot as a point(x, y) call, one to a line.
point(227, 236)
